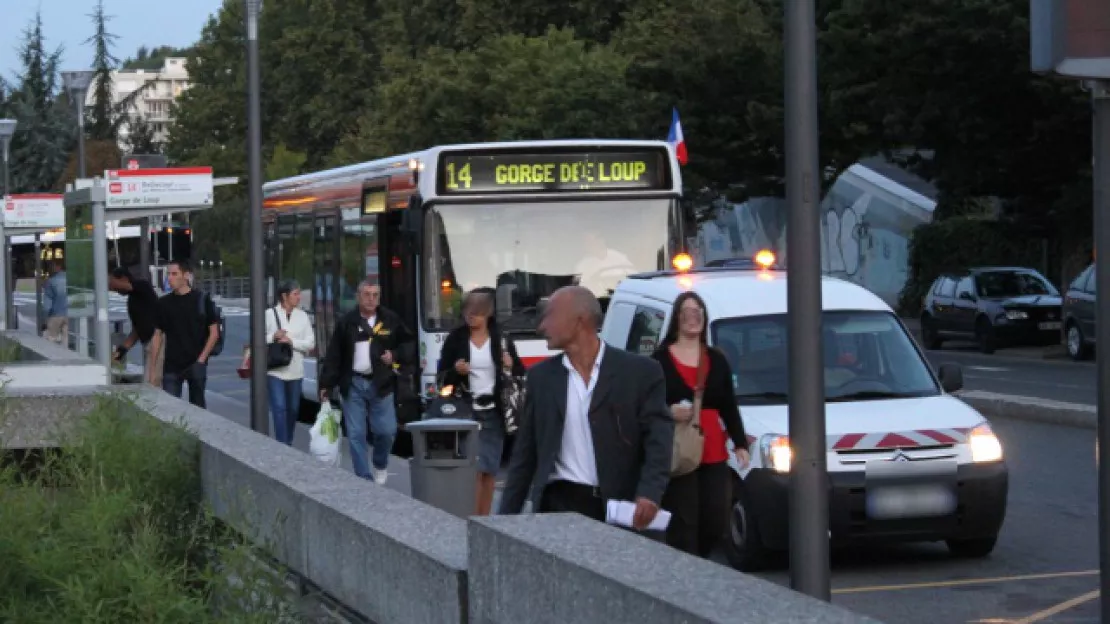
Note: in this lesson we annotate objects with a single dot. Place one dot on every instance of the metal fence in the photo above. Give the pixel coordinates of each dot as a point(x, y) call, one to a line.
point(224, 287)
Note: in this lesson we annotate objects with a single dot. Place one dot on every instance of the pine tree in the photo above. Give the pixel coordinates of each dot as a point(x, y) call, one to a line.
point(102, 121)
point(46, 129)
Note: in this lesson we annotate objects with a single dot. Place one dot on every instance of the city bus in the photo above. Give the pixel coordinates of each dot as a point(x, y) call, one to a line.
point(524, 218)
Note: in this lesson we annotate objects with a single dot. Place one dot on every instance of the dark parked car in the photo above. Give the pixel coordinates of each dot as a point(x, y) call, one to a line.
point(1079, 315)
point(995, 306)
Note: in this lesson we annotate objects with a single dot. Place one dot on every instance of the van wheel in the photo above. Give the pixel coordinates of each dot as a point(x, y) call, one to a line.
point(984, 335)
point(972, 548)
point(929, 336)
point(743, 546)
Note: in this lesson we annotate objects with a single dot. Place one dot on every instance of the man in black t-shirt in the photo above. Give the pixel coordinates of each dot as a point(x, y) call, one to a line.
point(142, 310)
point(187, 333)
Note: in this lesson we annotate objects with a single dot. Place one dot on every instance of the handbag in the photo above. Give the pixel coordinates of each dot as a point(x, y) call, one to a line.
point(512, 395)
point(450, 402)
point(278, 354)
point(689, 440)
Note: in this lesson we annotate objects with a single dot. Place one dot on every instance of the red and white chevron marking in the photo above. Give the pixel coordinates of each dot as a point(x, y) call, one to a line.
point(897, 439)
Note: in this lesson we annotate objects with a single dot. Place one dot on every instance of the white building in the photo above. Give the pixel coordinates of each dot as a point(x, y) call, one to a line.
point(155, 103)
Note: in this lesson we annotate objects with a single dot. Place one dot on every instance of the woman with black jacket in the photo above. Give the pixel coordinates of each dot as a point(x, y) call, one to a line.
point(475, 357)
point(699, 501)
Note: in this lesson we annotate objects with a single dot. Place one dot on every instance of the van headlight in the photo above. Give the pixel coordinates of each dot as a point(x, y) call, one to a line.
point(985, 446)
point(775, 452)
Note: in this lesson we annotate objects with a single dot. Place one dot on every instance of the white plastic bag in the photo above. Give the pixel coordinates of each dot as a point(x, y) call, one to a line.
point(325, 433)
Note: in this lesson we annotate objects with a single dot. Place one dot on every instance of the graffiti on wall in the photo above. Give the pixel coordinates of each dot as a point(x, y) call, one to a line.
point(864, 235)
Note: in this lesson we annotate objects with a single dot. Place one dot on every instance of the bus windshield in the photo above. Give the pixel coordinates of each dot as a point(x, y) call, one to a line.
point(527, 250)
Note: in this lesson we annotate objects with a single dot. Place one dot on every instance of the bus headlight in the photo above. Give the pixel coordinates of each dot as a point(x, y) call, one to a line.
point(985, 446)
point(776, 453)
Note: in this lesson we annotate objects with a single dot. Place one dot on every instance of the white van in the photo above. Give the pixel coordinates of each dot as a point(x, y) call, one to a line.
point(884, 404)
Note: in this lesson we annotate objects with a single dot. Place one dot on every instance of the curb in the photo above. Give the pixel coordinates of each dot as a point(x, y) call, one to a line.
point(1032, 409)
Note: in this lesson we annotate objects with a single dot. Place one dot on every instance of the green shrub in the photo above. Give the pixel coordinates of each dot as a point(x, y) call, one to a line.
point(113, 529)
point(961, 242)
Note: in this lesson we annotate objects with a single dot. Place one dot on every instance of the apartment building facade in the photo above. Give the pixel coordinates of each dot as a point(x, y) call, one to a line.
point(155, 103)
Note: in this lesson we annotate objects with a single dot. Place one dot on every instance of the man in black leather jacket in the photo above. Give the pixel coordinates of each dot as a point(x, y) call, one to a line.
point(368, 345)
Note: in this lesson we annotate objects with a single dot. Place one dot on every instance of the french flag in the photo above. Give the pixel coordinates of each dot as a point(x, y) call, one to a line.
point(675, 138)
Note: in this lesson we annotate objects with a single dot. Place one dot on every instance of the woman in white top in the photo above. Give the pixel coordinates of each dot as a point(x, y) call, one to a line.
point(475, 356)
point(287, 323)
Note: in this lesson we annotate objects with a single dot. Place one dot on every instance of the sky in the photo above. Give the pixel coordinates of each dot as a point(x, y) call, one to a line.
point(65, 22)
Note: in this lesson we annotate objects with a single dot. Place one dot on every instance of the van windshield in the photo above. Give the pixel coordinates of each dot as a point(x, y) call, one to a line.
point(868, 356)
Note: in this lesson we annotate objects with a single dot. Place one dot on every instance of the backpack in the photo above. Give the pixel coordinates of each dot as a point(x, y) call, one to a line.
point(201, 301)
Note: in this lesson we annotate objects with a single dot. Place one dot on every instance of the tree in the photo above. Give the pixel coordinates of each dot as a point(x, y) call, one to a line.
point(153, 59)
point(46, 129)
point(963, 97)
point(102, 121)
point(141, 136)
point(507, 88)
point(946, 87)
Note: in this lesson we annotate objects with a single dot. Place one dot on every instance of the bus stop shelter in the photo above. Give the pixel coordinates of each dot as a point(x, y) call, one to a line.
point(28, 214)
point(119, 195)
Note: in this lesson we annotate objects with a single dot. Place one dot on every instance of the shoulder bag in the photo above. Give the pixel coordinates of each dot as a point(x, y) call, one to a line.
point(512, 394)
point(278, 354)
point(689, 440)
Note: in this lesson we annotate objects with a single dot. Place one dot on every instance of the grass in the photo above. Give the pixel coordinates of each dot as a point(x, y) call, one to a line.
point(113, 529)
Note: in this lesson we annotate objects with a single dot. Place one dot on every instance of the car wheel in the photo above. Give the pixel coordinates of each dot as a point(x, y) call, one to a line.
point(929, 336)
point(972, 548)
point(1077, 346)
point(743, 546)
point(984, 335)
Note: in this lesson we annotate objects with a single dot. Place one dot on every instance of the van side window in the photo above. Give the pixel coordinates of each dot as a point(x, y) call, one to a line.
point(646, 331)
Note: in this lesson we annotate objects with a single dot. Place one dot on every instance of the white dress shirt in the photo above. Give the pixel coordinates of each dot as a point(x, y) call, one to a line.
point(576, 461)
point(362, 363)
point(300, 333)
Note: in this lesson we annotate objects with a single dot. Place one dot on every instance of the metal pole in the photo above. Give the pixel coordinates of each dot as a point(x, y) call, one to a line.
point(100, 287)
point(260, 420)
point(809, 495)
point(144, 248)
point(80, 103)
point(1101, 148)
point(4, 237)
point(38, 286)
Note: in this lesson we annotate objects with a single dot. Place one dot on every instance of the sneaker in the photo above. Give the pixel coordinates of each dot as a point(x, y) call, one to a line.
point(379, 475)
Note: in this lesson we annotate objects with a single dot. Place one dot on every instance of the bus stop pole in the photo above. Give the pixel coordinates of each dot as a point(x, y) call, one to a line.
point(100, 281)
point(809, 495)
point(38, 286)
point(4, 261)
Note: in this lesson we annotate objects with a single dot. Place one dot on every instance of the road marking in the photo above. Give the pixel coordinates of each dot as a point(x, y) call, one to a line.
point(1060, 608)
point(988, 369)
point(963, 582)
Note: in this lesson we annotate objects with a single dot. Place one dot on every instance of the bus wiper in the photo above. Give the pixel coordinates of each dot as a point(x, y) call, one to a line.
point(868, 394)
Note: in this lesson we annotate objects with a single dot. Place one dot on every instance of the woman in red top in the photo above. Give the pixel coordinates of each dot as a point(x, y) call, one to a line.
point(699, 501)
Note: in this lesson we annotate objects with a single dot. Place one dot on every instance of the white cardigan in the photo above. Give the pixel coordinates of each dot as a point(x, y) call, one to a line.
point(300, 332)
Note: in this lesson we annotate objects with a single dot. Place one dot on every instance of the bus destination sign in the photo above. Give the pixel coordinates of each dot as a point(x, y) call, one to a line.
point(484, 173)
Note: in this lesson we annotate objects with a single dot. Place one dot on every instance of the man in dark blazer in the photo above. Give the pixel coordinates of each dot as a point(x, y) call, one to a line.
point(368, 344)
point(595, 425)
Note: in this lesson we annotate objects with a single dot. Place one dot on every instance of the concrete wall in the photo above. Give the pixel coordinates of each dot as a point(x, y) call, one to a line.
point(392, 559)
point(45, 365)
point(567, 568)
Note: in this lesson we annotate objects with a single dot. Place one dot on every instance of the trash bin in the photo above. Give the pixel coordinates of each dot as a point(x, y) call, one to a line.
point(444, 465)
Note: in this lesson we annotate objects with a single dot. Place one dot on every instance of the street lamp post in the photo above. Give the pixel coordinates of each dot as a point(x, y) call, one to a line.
point(260, 420)
point(809, 496)
point(7, 130)
point(76, 84)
